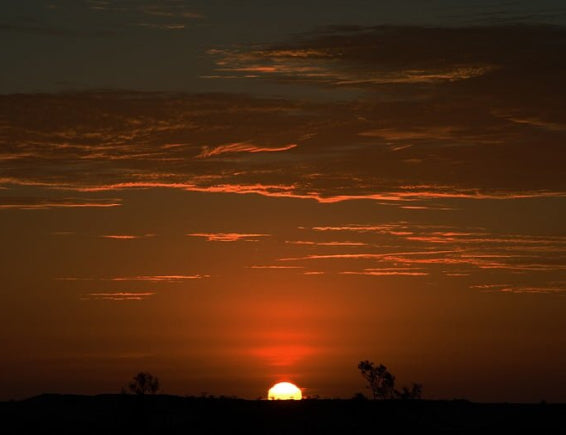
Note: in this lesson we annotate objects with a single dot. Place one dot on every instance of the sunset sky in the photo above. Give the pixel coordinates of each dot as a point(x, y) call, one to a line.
point(229, 194)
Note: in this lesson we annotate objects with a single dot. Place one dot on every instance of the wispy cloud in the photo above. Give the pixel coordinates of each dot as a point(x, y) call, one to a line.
point(21, 203)
point(229, 237)
point(117, 296)
point(241, 147)
point(364, 256)
point(553, 288)
point(126, 236)
point(412, 249)
point(153, 15)
point(376, 272)
point(333, 243)
point(178, 10)
point(150, 278)
point(159, 278)
point(329, 66)
point(389, 55)
point(296, 149)
point(274, 267)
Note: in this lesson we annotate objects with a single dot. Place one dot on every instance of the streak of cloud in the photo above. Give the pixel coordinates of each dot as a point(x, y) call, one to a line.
point(311, 243)
point(126, 236)
point(384, 273)
point(118, 296)
point(229, 237)
point(160, 278)
point(19, 203)
point(548, 289)
point(241, 147)
point(149, 278)
point(422, 164)
point(274, 267)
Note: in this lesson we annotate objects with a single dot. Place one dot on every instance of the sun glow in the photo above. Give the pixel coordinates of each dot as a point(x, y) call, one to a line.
point(284, 391)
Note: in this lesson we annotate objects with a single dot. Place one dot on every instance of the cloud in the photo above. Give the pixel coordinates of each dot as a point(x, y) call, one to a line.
point(241, 147)
point(422, 150)
point(374, 272)
point(401, 195)
point(171, 26)
point(159, 278)
point(363, 256)
point(29, 203)
point(397, 55)
point(311, 243)
point(150, 278)
point(153, 15)
point(552, 288)
point(161, 9)
point(126, 236)
point(351, 63)
point(274, 267)
point(229, 237)
point(117, 296)
point(415, 249)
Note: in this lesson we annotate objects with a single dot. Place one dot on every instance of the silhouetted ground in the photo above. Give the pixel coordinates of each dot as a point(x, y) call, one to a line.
point(124, 414)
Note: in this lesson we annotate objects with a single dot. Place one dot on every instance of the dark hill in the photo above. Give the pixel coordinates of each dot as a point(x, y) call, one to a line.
point(124, 414)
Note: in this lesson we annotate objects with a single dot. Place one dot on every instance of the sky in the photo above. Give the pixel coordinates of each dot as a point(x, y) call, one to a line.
point(230, 194)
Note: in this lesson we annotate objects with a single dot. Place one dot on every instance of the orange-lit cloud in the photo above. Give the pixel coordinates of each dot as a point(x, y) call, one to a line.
point(296, 191)
point(389, 55)
point(160, 278)
point(118, 296)
point(549, 288)
point(384, 273)
point(274, 267)
point(16, 203)
point(467, 251)
point(126, 236)
point(326, 66)
point(311, 243)
point(151, 278)
point(229, 237)
point(241, 147)
point(364, 256)
point(414, 154)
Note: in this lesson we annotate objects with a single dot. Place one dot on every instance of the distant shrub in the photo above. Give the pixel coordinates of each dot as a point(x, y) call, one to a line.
point(144, 383)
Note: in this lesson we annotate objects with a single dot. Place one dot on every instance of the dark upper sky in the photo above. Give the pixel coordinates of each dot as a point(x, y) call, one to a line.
point(230, 194)
point(150, 45)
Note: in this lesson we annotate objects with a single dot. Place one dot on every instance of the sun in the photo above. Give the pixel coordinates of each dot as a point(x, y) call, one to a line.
point(284, 391)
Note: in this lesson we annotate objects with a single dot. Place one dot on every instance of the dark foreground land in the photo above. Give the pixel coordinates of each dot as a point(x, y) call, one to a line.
point(122, 414)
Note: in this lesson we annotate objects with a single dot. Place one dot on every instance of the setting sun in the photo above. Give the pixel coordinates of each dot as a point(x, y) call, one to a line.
point(284, 391)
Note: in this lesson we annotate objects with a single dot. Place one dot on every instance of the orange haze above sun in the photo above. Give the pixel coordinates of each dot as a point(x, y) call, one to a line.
point(284, 391)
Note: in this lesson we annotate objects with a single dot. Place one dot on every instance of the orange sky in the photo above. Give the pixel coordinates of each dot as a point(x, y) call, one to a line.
point(393, 193)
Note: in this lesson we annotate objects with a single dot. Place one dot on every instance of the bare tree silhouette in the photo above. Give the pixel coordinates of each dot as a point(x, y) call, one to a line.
point(144, 383)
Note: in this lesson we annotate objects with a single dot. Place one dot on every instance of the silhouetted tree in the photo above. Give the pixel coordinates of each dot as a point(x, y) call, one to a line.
point(413, 393)
point(144, 383)
point(380, 381)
